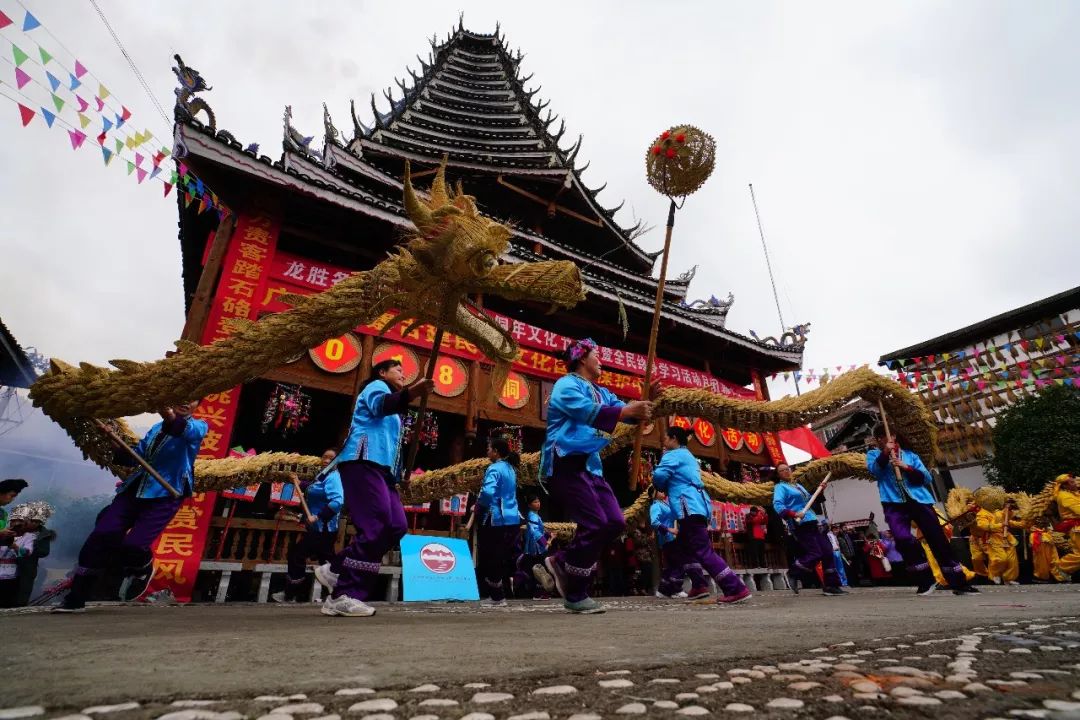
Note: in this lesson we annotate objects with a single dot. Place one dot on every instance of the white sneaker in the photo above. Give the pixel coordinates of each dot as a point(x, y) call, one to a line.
point(661, 595)
point(544, 578)
point(996, 580)
point(1012, 582)
point(680, 595)
point(278, 597)
point(325, 577)
point(346, 606)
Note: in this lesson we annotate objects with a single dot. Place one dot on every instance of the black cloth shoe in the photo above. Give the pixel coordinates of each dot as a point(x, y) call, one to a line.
point(967, 590)
point(793, 580)
point(833, 591)
point(139, 580)
point(926, 589)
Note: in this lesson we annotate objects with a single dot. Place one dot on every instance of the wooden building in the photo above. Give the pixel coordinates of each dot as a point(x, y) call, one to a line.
point(302, 222)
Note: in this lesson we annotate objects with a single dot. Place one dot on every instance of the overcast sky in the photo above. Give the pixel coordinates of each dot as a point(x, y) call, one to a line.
point(915, 163)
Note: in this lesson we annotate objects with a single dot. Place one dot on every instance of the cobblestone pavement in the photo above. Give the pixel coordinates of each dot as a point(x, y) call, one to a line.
point(1006, 653)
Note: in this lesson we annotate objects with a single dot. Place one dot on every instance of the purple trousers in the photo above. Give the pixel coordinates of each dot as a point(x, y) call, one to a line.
point(695, 549)
point(375, 508)
point(124, 532)
point(676, 569)
point(899, 516)
point(496, 546)
point(589, 502)
point(814, 548)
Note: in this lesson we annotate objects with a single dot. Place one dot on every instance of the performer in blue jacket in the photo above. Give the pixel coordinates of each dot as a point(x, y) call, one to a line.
point(324, 500)
point(370, 469)
point(910, 500)
point(789, 498)
point(580, 414)
point(126, 529)
point(664, 523)
point(679, 474)
point(500, 521)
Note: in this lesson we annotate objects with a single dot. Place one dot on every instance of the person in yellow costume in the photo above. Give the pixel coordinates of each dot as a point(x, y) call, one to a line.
point(1044, 554)
point(1067, 497)
point(977, 546)
point(946, 527)
point(1000, 544)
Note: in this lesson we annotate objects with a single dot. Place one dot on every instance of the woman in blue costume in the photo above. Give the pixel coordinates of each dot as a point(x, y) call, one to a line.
point(500, 521)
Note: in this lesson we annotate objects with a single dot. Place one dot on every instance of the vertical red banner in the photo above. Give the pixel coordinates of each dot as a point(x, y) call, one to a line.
point(772, 440)
point(179, 549)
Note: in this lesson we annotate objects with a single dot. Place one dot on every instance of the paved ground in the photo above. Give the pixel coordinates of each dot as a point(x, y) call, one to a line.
point(905, 645)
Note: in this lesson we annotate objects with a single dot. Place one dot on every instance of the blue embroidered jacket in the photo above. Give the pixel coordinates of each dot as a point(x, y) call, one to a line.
point(171, 451)
point(579, 413)
point(661, 517)
point(498, 495)
point(534, 535)
point(375, 434)
point(679, 475)
point(916, 483)
point(788, 499)
point(325, 498)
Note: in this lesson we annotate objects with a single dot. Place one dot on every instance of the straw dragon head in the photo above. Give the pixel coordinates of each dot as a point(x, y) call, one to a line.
point(456, 253)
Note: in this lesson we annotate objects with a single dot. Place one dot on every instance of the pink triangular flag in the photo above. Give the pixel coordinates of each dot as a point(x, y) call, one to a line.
point(138, 160)
point(141, 174)
point(27, 114)
point(79, 69)
point(100, 103)
point(77, 138)
point(21, 78)
point(82, 104)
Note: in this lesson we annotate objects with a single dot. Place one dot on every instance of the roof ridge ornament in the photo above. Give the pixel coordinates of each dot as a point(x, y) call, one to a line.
point(187, 105)
point(359, 128)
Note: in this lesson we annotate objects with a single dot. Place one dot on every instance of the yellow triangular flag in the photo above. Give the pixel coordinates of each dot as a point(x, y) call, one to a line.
point(83, 120)
point(130, 142)
point(103, 92)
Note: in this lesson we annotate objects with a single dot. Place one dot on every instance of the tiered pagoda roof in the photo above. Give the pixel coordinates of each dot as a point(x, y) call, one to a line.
point(469, 103)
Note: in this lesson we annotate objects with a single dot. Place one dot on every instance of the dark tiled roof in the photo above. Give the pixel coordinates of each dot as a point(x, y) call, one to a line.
point(16, 370)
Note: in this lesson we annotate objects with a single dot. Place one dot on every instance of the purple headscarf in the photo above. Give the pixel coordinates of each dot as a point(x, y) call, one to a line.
point(579, 349)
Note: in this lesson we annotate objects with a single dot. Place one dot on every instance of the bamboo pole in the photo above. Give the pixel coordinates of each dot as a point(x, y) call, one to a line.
point(817, 493)
point(137, 457)
point(889, 438)
point(635, 466)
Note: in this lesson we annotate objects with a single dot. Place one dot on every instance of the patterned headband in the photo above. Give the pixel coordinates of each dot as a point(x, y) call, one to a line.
point(580, 348)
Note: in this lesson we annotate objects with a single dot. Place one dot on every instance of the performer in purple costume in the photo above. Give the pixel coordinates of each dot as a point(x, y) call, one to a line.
point(370, 469)
point(580, 414)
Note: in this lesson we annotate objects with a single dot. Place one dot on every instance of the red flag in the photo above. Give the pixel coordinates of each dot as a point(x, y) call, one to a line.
point(4, 20)
point(27, 114)
point(101, 139)
point(168, 189)
point(125, 114)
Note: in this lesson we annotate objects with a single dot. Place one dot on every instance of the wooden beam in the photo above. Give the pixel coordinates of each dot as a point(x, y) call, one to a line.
point(548, 203)
point(204, 291)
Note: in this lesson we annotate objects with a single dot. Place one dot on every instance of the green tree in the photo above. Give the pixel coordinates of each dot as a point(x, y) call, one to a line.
point(1036, 440)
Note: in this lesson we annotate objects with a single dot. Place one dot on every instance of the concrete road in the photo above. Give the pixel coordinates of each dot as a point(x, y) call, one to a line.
point(153, 653)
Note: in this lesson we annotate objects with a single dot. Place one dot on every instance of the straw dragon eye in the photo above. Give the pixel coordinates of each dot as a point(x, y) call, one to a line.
point(484, 262)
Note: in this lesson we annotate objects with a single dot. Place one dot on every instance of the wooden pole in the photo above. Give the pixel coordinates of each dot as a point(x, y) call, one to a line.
point(137, 457)
point(814, 497)
point(303, 500)
point(204, 291)
point(635, 465)
point(889, 438)
point(429, 373)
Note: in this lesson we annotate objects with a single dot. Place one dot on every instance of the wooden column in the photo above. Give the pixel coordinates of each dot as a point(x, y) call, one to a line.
point(204, 291)
point(472, 393)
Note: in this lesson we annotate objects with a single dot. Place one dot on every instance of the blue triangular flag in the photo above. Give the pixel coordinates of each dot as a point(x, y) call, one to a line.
point(30, 22)
point(119, 121)
point(155, 172)
point(107, 153)
point(75, 82)
point(49, 117)
point(107, 125)
point(53, 80)
point(199, 187)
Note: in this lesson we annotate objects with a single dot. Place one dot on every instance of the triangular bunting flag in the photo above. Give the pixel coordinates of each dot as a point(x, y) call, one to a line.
point(168, 189)
point(130, 142)
point(187, 199)
point(79, 69)
point(141, 174)
point(107, 154)
point(49, 117)
point(83, 120)
point(106, 125)
point(45, 56)
point(4, 20)
point(74, 82)
point(100, 103)
point(155, 172)
point(174, 177)
point(101, 139)
point(30, 22)
point(158, 158)
point(138, 160)
point(27, 114)
point(20, 56)
point(83, 105)
point(103, 92)
point(131, 167)
point(202, 205)
point(54, 82)
point(58, 103)
point(126, 114)
point(77, 138)
point(21, 78)
point(119, 146)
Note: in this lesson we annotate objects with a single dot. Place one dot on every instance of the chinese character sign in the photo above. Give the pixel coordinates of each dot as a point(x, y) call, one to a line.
point(515, 392)
point(244, 275)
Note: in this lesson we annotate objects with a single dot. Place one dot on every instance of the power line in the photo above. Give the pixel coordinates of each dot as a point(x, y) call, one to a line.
point(131, 63)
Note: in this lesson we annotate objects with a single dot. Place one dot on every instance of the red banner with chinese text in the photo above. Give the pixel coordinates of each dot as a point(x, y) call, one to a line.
point(303, 275)
point(178, 550)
